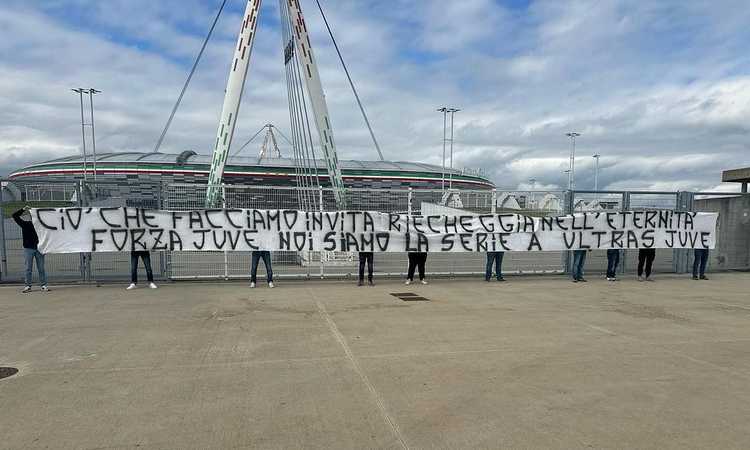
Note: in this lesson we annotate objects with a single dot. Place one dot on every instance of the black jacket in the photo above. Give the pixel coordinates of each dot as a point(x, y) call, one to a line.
point(30, 239)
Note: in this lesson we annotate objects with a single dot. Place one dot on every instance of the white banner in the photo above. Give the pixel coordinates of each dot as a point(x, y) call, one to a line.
point(73, 230)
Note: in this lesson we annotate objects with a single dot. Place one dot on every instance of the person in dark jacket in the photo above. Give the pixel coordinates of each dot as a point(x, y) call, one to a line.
point(365, 257)
point(495, 258)
point(613, 260)
point(30, 249)
point(699, 264)
point(416, 260)
point(646, 258)
point(146, 257)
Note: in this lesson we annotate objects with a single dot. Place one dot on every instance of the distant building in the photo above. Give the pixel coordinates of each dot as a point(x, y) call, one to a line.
point(737, 176)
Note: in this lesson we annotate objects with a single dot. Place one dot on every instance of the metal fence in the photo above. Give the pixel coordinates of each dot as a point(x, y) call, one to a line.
point(230, 265)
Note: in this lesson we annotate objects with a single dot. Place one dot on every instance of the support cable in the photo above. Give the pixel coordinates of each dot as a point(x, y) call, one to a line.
point(189, 78)
point(249, 141)
point(351, 83)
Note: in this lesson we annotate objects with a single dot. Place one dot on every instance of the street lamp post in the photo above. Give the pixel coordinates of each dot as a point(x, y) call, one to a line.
point(452, 111)
point(444, 110)
point(572, 174)
point(533, 186)
point(596, 172)
point(90, 92)
point(80, 92)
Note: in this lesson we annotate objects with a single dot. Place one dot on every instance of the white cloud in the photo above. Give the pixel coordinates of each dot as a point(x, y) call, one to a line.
point(659, 88)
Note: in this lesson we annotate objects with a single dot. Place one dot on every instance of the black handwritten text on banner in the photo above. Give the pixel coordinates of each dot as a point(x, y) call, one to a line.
point(73, 230)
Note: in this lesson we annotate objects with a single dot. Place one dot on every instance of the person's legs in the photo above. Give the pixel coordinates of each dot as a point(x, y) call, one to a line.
point(28, 259)
point(146, 257)
point(582, 264)
point(611, 263)
point(362, 258)
point(488, 266)
point(577, 265)
point(266, 255)
point(412, 266)
point(370, 257)
point(421, 264)
point(255, 258)
point(650, 256)
point(641, 261)
point(697, 255)
point(704, 262)
point(134, 267)
point(499, 265)
point(40, 268)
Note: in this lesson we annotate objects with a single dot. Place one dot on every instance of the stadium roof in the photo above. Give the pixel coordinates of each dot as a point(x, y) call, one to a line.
point(192, 158)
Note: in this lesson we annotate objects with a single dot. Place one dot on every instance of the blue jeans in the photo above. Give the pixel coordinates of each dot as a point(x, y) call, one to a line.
point(700, 261)
point(613, 260)
point(30, 255)
point(495, 258)
point(579, 259)
point(257, 255)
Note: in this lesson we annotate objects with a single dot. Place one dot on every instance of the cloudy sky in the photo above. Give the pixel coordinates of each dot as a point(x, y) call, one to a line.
point(660, 88)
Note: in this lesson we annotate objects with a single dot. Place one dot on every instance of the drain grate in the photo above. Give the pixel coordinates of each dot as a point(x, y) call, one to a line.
point(409, 297)
point(6, 372)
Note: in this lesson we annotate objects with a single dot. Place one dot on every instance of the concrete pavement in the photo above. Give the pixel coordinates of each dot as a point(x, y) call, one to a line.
point(536, 362)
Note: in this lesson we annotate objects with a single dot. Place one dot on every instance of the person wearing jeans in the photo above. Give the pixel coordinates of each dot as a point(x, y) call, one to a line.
point(365, 257)
point(146, 257)
point(256, 257)
point(613, 260)
point(579, 259)
point(31, 253)
point(416, 260)
point(495, 258)
point(646, 258)
point(700, 260)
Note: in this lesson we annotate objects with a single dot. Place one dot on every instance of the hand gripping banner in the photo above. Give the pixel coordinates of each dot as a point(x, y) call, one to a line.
point(74, 230)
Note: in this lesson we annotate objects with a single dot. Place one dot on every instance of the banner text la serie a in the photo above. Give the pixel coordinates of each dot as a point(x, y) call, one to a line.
point(74, 230)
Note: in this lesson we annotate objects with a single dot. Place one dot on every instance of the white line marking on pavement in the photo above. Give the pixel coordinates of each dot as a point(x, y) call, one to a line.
point(375, 394)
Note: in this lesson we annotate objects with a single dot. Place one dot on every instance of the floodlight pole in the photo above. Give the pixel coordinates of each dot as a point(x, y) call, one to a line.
point(572, 174)
point(444, 110)
point(92, 92)
point(452, 111)
point(80, 92)
point(596, 172)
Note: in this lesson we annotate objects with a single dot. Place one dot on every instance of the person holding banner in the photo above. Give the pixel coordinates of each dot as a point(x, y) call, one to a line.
point(497, 259)
point(22, 217)
point(146, 257)
point(416, 260)
point(365, 257)
point(579, 259)
point(646, 258)
point(613, 260)
point(256, 257)
point(700, 260)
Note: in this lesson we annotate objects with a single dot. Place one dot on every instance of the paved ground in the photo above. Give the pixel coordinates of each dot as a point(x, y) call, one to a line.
point(537, 362)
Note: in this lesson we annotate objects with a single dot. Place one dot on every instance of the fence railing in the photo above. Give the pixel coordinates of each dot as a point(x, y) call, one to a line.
point(220, 265)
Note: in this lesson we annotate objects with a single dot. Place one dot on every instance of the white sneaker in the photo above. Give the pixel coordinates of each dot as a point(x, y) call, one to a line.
point(423, 281)
point(640, 278)
point(45, 288)
point(252, 285)
point(270, 284)
point(131, 287)
point(26, 289)
point(408, 282)
point(152, 285)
